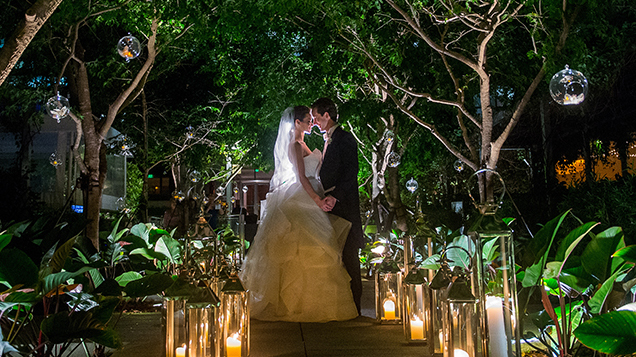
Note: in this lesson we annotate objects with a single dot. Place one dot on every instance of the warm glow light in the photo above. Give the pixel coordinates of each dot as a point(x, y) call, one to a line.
point(460, 353)
point(496, 328)
point(378, 250)
point(417, 329)
point(233, 346)
point(181, 351)
point(389, 310)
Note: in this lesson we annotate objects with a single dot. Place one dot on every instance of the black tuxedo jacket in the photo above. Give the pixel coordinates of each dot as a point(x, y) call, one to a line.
point(340, 170)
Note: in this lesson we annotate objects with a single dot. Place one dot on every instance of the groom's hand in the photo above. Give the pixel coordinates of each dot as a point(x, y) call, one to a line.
point(327, 203)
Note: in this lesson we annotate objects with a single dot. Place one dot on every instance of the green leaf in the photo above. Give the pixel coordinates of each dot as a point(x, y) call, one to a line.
point(104, 311)
point(4, 240)
point(148, 285)
point(490, 250)
point(52, 281)
point(613, 333)
point(61, 254)
point(597, 254)
point(572, 240)
point(109, 287)
point(148, 253)
point(127, 277)
point(97, 277)
point(169, 247)
point(627, 253)
point(141, 231)
point(597, 301)
point(539, 246)
point(17, 268)
point(431, 262)
point(533, 275)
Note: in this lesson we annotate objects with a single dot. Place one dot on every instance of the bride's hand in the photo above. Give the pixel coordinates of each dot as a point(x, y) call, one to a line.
point(327, 203)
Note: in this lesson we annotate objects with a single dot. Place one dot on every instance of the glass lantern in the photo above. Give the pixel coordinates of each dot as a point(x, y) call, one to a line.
point(200, 311)
point(462, 334)
point(498, 286)
point(438, 286)
point(174, 326)
point(568, 87)
point(233, 322)
point(388, 297)
point(417, 308)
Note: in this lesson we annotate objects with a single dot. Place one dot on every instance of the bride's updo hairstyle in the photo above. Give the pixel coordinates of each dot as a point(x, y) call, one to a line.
point(300, 112)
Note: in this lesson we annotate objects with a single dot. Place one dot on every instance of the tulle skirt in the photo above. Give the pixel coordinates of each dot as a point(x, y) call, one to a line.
point(293, 269)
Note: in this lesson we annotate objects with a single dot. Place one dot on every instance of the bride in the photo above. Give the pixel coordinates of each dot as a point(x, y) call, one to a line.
point(294, 270)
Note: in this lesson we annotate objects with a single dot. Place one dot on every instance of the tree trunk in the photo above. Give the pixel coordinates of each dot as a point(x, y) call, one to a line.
point(143, 202)
point(13, 47)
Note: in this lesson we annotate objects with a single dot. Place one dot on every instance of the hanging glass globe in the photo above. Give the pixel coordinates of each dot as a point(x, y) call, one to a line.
point(57, 107)
point(389, 136)
point(380, 181)
point(459, 165)
point(195, 176)
point(245, 189)
point(128, 47)
point(195, 196)
point(411, 185)
point(122, 206)
point(233, 200)
point(219, 190)
point(54, 160)
point(206, 200)
point(367, 214)
point(568, 87)
point(393, 160)
point(189, 132)
point(235, 190)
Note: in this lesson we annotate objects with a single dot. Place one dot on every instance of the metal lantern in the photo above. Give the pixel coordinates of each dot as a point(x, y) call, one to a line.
point(438, 286)
point(200, 311)
point(233, 322)
point(416, 310)
point(462, 334)
point(174, 327)
point(388, 296)
point(497, 285)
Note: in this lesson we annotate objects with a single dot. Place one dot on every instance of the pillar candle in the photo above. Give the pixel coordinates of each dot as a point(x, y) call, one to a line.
point(496, 329)
point(460, 353)
point(417, 329)
point(181, 351)
point(233, 346)
point(389, 310)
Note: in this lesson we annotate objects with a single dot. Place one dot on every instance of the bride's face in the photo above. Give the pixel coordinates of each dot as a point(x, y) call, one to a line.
point(306, 125)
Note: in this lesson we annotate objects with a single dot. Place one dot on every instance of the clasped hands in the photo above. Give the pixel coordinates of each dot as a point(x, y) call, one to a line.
point(327, 203)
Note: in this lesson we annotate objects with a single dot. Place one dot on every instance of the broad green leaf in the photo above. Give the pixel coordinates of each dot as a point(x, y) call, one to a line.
point(572, 240)
point(169, 247)
point(597, 301)
point(4, 240)
point(127, 277)
point(540, 245)
point(552, 270)
point(627, 253)
point(104, 311)
point(17, 268)
point(613, 333)
point(109, 288)
point(460, 251)
point(431, 262)
point(533, 275)
point(595, 258)
point(62, 327)
point(489, 250)
point(61, 254)
point(149, 254)
point(96, 276)
point(52, 281)
point(148, 285)
point(141, 231)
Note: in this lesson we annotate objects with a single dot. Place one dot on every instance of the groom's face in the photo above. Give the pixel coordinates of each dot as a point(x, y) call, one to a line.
point(319, 119)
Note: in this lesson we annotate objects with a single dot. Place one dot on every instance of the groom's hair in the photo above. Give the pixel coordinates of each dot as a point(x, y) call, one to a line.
point(326, 105)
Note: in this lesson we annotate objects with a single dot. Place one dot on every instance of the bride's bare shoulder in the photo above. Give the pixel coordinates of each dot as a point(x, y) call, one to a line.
point(303, 147)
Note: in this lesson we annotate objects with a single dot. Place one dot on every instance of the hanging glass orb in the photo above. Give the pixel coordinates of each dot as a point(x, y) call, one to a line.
point(233, 200)
point(54, 160)
point(411, 185)
point(389, 136)
point(122, 206)
point(195, 176)
point(219, 190)
point(235, 190)
point(57, 107)
point(393, 160)
point(367, 214)
point(380, 181)
point(568, 87)
point(459, 165)
point(189, 132)
point(245, 189)
point(178, 196)
point(128, 47)
point(206, 200)
point(195, 196)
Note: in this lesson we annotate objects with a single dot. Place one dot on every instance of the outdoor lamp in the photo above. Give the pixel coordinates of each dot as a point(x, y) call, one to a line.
point(438, 286)
point(417, 311)
point(200, 311)
point(461, 318)
point(233, 321)
point(173, 325)
point(497, 287)
point(387, 296)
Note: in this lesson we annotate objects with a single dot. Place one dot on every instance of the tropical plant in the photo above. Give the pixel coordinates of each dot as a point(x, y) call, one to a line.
point(580, 278)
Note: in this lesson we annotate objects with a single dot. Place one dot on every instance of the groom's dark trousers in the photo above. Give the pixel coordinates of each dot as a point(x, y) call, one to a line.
point(339, 176)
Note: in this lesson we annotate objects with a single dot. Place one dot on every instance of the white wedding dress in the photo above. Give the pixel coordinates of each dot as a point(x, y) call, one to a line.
point(293, 270)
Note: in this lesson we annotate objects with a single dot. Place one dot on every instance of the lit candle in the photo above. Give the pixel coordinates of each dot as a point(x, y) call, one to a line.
point(496, 329)
point(181, 351)
point(233, 346)
point(417, 329)
point(460, 353)
point(389, 310)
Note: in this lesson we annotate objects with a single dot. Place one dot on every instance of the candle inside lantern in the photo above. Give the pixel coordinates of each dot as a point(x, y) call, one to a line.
point(389, 310)
point(180, 352)
point(417, 329)
point(496, 328)
point(458, 352)
point(233, 346)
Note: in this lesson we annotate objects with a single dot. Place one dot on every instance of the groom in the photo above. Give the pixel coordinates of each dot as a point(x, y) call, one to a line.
point(339, 177)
